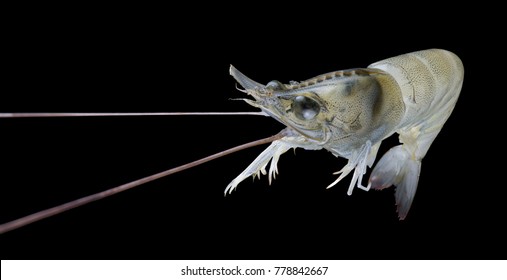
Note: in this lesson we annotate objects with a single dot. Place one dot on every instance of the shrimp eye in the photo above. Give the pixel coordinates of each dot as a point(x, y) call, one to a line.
point(275, 85)
point(305, 108)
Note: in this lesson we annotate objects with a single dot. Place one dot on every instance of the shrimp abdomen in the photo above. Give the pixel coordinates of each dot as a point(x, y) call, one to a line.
point(430, 82)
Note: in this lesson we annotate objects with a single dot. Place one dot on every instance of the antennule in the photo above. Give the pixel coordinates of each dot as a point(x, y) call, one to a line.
point(53, 115)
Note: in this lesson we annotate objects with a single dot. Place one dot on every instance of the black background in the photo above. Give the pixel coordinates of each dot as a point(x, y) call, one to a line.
point(143, 61)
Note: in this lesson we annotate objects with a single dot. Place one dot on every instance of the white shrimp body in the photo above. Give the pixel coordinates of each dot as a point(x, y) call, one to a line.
point(350, 112)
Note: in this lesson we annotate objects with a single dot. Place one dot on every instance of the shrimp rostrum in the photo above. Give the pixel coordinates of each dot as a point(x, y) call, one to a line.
point(350, 112)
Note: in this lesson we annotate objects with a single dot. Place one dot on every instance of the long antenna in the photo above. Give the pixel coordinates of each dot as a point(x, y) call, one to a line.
point(100, 195)
point(54, 115)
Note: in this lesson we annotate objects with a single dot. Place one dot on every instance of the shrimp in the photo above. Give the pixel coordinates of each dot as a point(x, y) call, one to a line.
point(349, 113)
